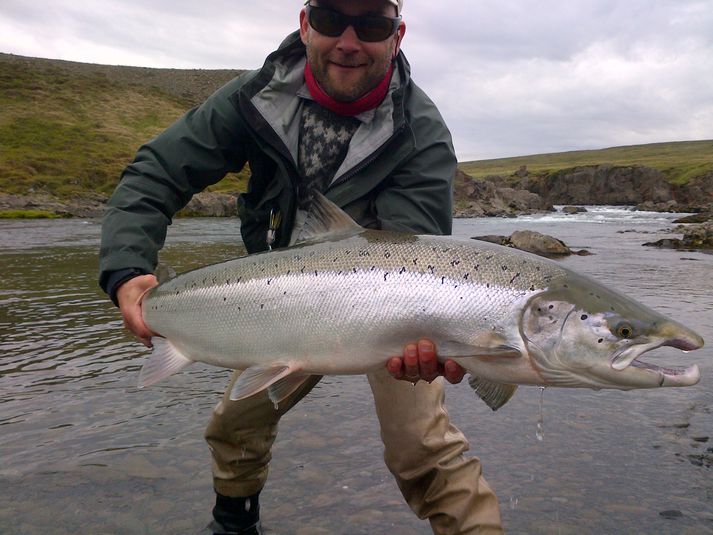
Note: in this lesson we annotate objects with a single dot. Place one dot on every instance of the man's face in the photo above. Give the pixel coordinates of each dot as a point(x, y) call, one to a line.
point(346, 67)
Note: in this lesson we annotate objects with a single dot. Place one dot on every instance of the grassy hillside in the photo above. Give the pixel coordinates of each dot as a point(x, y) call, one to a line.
point(68, 128)
point(679, 161)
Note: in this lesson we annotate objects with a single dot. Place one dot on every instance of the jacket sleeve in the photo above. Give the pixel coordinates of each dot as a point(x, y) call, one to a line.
point(199, 149)
point(418, 196)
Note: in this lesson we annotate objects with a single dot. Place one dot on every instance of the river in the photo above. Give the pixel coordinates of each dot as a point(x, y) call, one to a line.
point(82, 450)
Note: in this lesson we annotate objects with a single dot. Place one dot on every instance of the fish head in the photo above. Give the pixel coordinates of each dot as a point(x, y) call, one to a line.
point(579, 333)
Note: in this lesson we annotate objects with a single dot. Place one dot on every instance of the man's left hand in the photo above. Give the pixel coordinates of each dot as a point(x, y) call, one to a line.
point(420, 361)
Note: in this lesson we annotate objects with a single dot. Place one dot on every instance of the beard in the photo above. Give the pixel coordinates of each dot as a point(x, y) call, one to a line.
point(344, 87)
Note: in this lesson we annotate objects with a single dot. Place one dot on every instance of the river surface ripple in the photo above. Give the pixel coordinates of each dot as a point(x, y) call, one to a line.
point(83, 450)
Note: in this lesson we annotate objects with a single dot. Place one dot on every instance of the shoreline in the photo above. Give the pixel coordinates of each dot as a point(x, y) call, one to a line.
point(91, 205)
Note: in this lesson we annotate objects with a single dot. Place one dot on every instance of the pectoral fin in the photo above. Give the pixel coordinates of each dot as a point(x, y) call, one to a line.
point(453, 350)
point(257, 378)
point(495, 395)
point(165, 360)
point(283, 388)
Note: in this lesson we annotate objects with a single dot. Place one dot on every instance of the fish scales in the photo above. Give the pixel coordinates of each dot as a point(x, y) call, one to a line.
point(341, 296)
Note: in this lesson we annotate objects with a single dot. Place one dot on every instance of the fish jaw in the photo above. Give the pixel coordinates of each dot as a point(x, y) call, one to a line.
point(581, 334)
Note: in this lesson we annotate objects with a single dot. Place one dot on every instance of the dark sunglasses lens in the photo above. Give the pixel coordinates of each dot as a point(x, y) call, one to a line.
point(368, 28)
point(326, 22)
point(374, 28)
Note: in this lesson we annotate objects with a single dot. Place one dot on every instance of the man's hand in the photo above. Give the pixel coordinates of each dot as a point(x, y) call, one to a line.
point(420, 361)
point(129, 296)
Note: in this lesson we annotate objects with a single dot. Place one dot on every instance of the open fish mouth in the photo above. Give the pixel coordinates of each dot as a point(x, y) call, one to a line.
point(669, 375)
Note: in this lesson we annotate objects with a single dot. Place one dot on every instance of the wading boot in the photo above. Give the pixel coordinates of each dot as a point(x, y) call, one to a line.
point(236, 516)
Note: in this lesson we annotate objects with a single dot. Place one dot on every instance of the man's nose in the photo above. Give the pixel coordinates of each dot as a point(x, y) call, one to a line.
point(348, 41)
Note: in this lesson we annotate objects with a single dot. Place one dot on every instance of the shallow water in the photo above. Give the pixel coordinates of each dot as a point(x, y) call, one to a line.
point(82, 449)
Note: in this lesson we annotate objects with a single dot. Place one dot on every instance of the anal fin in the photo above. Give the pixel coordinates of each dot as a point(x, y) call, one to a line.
point(256, 379)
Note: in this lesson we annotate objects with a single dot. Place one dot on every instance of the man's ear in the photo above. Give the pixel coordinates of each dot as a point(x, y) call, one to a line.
point(304, 26)
point(400, 32)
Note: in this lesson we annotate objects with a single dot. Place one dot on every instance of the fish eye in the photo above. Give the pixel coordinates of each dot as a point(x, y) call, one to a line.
point(624, 330)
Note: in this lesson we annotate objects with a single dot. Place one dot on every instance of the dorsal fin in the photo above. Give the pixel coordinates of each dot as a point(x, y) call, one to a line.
point(325, 220)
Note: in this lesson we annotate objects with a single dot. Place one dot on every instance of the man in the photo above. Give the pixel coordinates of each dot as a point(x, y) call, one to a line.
point(333, 109)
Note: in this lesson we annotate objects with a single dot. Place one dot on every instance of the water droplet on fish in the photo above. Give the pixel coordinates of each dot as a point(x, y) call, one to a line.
point(275, 405)
point(540, 431)
point(513, 503)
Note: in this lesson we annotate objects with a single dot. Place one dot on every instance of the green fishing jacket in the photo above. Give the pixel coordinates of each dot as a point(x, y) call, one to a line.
point(397, 174)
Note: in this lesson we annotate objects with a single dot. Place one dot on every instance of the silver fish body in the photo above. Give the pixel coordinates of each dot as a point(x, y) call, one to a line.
point(345, 303)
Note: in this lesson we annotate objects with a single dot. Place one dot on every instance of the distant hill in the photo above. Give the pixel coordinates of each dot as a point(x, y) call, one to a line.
point(68, 129)
point(679, 161)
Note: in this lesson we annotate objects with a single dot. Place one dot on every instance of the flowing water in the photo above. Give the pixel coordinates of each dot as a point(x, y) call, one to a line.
point(82, 450)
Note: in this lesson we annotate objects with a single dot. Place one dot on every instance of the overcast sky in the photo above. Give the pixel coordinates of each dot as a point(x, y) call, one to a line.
point(511, 77)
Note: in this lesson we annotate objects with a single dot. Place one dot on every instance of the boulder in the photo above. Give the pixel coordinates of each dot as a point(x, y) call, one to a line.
point(698, 236)
point(210, 204)
point(533, 242)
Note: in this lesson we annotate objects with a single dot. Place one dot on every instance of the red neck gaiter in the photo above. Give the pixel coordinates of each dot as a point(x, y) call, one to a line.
point(367, 102)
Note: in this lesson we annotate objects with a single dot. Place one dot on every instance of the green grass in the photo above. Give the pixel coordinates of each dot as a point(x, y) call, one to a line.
point(66, 133)
point(27, 214)
point(679, 161)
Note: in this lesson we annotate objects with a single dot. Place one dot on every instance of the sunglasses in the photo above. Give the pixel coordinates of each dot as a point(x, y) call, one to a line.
point(369, 28)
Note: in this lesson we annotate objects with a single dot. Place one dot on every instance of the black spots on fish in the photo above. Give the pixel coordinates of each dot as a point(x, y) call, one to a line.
point(402, 270)
point(532, 288)
point(487, 285)
point(316, 273)
point(269, 281)
point(386, 274)
point(466, 276)
point(302, 269)
point(504, 268)
point(551, 307)
point(284, 293)
point(288, 272)
point(600, 340)
point(415, 261)
point(443, 279)
point(431, 269)
point(455, 263)
point(364, 252)
point(387, 254)
point(224, 299)
point(262, 305)
point(354, 270)
point(178, 292)
point(348, 252)
point(335, 260)
point(517, 275)
point(373, 268)
point(583, 317)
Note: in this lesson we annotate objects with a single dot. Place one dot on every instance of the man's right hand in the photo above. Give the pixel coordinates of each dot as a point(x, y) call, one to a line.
point(129, 296)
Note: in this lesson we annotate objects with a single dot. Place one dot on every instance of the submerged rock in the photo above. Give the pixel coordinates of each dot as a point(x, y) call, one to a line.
point(569, 210)
point(696, 218)
point(533, 242)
